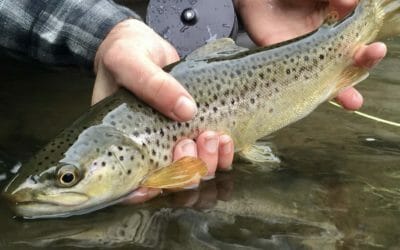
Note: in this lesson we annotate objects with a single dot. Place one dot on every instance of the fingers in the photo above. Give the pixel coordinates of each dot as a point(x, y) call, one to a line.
point(367, 56)
point(132, 56)
point(225, 153)
point(150, 83)
point(214, 149)
point(208, 145)
point(350, 99)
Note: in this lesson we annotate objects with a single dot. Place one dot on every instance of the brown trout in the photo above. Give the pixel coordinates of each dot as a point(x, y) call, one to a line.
point(122, 144)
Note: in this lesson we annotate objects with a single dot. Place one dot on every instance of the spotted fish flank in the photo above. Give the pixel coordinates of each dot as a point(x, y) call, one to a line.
point(121, 142)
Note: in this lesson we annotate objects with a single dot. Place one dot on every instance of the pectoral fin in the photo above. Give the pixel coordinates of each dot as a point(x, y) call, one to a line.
point(350, 77)
point(259, 153)
point(180, 174)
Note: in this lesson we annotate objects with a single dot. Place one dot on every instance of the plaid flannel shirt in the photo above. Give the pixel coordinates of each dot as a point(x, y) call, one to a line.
point(58, 32)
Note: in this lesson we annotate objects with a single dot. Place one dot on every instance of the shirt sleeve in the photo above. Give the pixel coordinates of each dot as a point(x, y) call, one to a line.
point(58, 32)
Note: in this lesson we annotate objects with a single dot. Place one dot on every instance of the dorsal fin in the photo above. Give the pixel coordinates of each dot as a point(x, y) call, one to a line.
point(217, 48)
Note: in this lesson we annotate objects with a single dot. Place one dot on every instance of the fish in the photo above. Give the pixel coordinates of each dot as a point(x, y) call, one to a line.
point(122, 144)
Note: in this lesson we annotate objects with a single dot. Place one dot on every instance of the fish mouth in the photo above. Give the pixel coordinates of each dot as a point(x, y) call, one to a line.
point(28, 205)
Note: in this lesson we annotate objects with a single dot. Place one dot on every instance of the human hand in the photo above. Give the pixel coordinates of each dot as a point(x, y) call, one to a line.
point(273, 21)
point(132, 56)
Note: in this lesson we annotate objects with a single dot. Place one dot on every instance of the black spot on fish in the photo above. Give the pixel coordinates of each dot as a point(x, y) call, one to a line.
point(103, 164)
point(174, 138)
point(121, 158)
point(288, 71)
point(153, 152)
point(322, 57)
point(120, 148)
point(129, 171)
point(148, 130)
point(215, 109)
point(202, 118)
point(162, 132)
point(165, 157)
point(187, 124)
point(136, 133)
point(252, 101)
point(262, 76)
point(306, 58)
point(226, 93)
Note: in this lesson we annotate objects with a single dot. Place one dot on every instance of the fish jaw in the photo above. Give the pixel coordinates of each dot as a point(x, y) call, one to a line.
point(30, 205)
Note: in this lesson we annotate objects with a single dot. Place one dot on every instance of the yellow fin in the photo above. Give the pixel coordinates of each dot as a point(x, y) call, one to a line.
point(349, 77)
point(180, 174)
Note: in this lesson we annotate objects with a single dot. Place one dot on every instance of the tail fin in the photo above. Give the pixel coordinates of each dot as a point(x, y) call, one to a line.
point(391, 12)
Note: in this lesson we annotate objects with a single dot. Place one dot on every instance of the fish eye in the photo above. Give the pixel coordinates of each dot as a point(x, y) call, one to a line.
point(67, 176)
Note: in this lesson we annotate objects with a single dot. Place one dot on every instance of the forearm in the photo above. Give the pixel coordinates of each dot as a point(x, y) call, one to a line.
point(58, 32)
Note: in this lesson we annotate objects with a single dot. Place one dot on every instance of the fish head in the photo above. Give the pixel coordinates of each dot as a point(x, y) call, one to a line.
point(98, 169)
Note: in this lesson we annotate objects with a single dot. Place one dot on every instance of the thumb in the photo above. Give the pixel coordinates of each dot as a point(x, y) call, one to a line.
point(143, 77)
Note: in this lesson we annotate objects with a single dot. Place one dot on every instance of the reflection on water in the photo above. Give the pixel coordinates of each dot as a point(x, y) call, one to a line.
point(337, 186)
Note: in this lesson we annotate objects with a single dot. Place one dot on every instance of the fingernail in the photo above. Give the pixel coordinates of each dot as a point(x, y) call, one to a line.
point(185, 109)
point(227, 144)
point(153, 192)
point(211, 144)
point(208, 177)
point(188, 147)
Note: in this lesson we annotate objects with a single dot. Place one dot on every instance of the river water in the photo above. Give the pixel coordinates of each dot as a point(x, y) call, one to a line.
point(337, 186)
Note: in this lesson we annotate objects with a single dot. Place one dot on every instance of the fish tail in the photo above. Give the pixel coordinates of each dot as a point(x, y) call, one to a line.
point(390, 11)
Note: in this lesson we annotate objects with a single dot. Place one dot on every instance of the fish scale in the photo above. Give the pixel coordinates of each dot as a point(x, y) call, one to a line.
point(121, 142)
